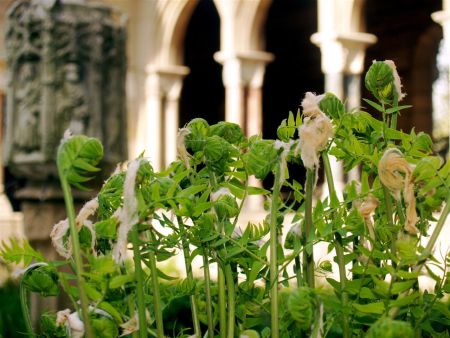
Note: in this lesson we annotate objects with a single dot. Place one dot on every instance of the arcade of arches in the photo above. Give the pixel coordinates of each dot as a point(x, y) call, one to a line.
point(250, 61)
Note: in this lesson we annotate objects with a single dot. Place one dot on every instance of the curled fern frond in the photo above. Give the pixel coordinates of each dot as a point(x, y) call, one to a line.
point(77, 159)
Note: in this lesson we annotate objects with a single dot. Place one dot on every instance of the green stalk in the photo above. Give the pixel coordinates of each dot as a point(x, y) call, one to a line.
point(308, 259)
point(190, 277)
point(156, 294)
point(222, 303)
point(395, 113)
point(231, 300)
point(437, 230)
point(139, 275)
point(389, 213)
point(338, 247)
point(273, 254)
point(25, 310)
point(428, 250)
point(76, 253)
point(131, 309)
point(207, 277)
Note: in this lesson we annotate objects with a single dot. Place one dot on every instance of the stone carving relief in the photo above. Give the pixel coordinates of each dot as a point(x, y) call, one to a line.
point(67, 70)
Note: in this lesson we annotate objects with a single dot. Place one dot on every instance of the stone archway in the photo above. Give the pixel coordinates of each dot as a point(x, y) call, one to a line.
point(203, 91)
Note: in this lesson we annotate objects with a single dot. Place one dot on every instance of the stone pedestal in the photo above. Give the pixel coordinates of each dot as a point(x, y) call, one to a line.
point(66, 63)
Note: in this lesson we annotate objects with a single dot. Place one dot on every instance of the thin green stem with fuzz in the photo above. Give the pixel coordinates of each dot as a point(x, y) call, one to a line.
point(273, 253)
point(206, 275)
point(76, 253)
point(190, 277)
point(389, 213)
point(308, 258)
point(338, 247)
point(139, 275)
point(231, 301)
point(437, 230)
point(25, 310)
point(428, 250)
point(222, 303)
point(156, 294)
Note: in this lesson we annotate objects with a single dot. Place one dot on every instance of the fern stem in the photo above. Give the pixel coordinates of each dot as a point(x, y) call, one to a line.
point(190, 277)
point(156, 293)
point(76, 253)
point(437, 230)
point(222, 303)
point(231, 300)
point(389, 213)
point(25, 310)
point(308, 258)
point(273, 253)
point(207, 277)
point(139, 275)
point(338, 247)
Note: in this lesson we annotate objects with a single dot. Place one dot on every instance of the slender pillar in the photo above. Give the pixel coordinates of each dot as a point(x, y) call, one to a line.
point(243, 75)
point(443, 18)
point(162, 115)
point(342, 65)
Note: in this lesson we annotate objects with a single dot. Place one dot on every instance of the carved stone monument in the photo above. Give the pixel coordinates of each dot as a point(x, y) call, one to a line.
point(67, 66)
point(67, 70)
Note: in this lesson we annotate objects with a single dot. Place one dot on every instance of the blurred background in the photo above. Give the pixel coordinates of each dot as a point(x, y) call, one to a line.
point(245, 61)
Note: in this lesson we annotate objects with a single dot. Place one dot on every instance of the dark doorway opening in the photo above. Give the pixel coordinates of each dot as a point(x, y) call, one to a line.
point(203, 91)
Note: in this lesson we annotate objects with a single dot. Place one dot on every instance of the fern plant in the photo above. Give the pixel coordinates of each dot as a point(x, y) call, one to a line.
point(267, 275)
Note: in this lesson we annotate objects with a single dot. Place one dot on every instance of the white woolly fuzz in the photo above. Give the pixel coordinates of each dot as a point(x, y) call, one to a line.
point(57, 235)
point(76, 325)
point(396, 174)
point(130, 326)
point(61, 228)
point(67, 135)
point(221, 192)
point(128, 215)
point(181, 147)
point(19, 272)
point(86, 211)
point(310, 104)
point(314, 134)
point(397, 82)
point(393, 171)
point(366, 207)
point(62, 316)
point(286, 146)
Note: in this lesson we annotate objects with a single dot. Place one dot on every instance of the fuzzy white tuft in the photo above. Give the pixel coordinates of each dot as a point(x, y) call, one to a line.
point(76, 325)
point(181, 147)
point(57, 236)
point(366, 207)
point(314, 134)
point(310, 104)
point(397, 82)
point(128, 215)
point(286, 146)
point(396, 174)
point(86, 211)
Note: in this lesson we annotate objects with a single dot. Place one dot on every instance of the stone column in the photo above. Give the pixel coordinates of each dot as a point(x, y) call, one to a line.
point(342, 64)
point(11, 223)
point(243, 75)
point(443, 18)
point(164, 84)
point(58, 82)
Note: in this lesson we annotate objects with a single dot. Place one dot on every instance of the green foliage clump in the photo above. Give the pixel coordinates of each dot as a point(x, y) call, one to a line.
point(389, 328)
